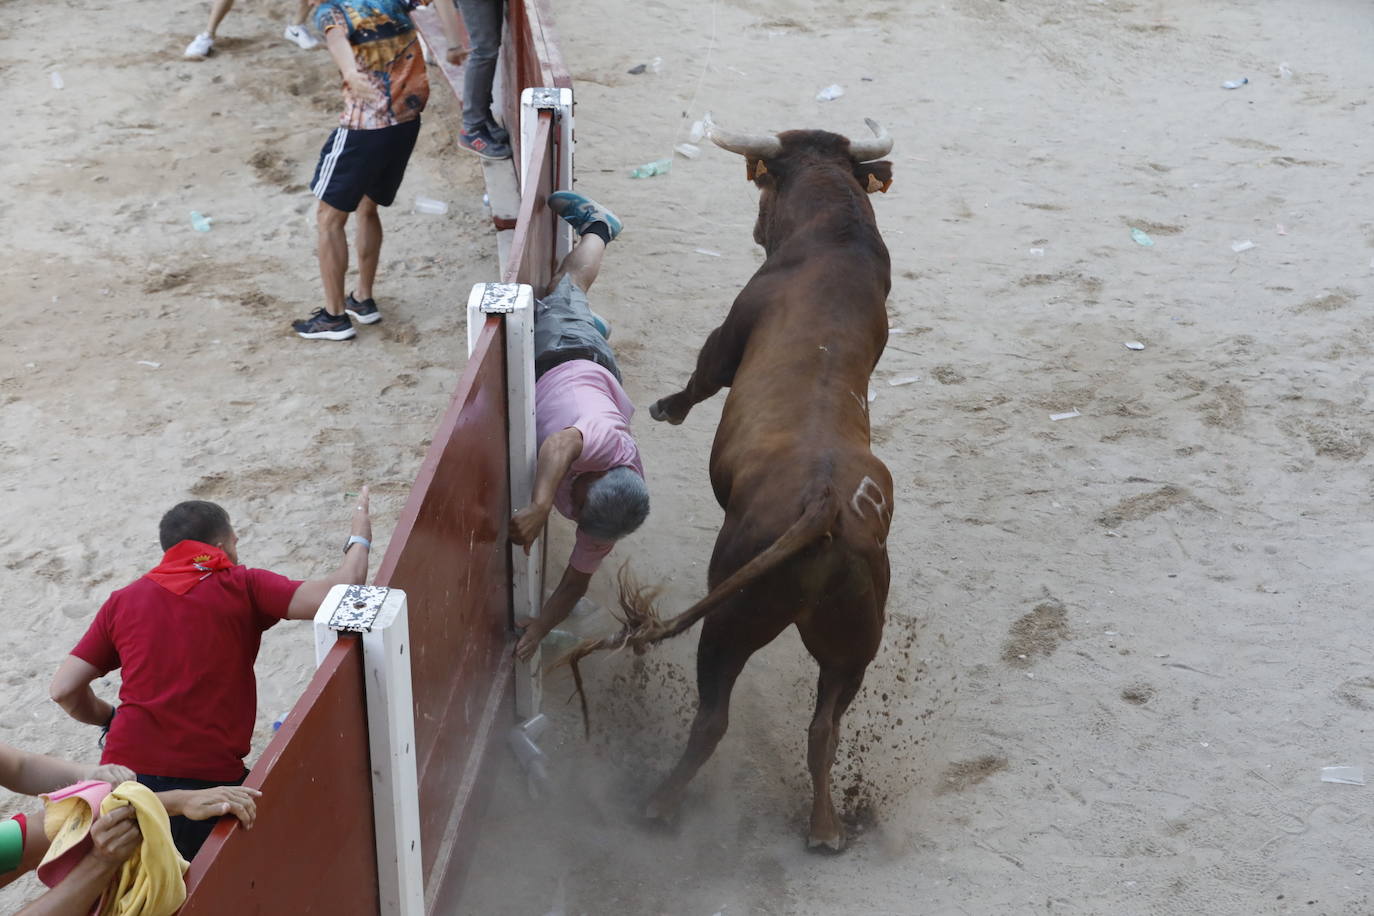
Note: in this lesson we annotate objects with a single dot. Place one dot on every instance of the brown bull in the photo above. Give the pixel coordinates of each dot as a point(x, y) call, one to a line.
point(807, 505)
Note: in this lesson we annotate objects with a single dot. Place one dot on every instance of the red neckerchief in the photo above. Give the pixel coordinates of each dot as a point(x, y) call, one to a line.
point(186, 564)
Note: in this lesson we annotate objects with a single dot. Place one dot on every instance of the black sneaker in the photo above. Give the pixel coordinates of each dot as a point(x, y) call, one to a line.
point(366, 312)
point(481, 142)
point(323, 326)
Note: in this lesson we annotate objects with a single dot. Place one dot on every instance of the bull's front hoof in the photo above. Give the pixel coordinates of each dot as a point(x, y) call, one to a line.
point(660, 413)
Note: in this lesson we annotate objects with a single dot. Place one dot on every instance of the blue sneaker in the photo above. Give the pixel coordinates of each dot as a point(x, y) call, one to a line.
point(580, 212)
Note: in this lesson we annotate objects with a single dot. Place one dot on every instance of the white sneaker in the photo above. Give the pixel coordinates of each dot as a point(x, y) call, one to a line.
point(301, 36)
point(200, 47)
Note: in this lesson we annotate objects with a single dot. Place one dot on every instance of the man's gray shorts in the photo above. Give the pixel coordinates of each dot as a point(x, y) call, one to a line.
point(564, 331)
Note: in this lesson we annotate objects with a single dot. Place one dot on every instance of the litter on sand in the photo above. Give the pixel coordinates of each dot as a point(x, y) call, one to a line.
point(1142, 237)
point(708, 252)
point(830, 93)
point(1235, 84)
point(687, 150)
point(872, 395)
point(1242, 246)
point(1346, 776)
point(904, 380)
point(150, 364)
point(1134, 345)
point(430, 205)
point(1066, 415)
point(56, 80)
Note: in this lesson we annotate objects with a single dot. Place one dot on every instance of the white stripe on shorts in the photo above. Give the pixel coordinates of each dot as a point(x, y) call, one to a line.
point(330, 160)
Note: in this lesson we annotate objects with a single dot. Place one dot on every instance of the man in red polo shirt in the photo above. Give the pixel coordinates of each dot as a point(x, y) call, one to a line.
point(185, 636)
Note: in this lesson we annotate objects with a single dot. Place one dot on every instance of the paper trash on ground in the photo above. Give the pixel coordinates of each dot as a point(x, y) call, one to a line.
point(1066, 415)
point(903, 380)
point(1346, 776)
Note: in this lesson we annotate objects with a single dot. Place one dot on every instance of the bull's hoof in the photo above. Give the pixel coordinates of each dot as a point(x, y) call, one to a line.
point(661, 812)
point(659, 413)
point(826, 844)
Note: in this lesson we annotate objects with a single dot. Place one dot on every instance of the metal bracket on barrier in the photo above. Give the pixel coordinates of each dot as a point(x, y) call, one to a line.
point(377, 616)
point(560, 102)
point(515, 302)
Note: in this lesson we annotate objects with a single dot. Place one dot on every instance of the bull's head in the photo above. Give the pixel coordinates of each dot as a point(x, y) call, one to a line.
point(772, 159)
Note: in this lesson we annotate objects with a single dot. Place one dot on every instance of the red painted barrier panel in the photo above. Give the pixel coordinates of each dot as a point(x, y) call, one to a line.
point(450, 556)
point(312, 849)
point(316, 808)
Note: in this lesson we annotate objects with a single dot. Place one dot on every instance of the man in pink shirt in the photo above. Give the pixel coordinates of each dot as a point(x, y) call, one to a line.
point(589, 467)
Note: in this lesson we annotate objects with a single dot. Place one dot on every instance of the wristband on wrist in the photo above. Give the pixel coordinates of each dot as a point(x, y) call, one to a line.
point(105, 729)
point(357, 539)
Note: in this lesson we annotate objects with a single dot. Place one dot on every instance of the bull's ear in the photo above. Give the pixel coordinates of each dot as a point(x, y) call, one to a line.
point(874, 176)
point(754, 168)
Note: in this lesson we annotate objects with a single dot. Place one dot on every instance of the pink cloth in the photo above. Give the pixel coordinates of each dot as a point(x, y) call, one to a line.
point(53, 869)
point(585, 396)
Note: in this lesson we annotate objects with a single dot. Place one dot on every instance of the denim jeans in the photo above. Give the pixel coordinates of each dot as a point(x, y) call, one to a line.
point(483, 20)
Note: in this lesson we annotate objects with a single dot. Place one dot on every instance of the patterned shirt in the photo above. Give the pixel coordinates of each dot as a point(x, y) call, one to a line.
point(386, 47)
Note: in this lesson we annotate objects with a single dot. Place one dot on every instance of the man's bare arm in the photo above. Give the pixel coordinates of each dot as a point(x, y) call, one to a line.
point(556, 457)
point(352, 571)
point(71, 689)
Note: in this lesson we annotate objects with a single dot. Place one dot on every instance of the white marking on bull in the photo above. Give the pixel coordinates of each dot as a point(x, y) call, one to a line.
point(869, 492)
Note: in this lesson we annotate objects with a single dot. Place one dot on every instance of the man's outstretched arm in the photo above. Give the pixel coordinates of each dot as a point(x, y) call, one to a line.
point(352, 571)
point(556, 457)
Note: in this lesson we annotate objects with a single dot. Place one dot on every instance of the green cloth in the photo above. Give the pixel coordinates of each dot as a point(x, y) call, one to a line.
point(11, 845)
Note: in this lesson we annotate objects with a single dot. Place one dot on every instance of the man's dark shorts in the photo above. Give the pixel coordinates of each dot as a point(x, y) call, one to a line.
point(187, 835)
point(357, 162)
point(564, 331)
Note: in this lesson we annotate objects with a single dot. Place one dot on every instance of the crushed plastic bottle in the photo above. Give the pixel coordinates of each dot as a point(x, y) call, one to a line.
point(1142, 237)
point(697, 131)
point(830, 93)
point(687, 150)
point(431, 206)
point(200, 223)
point(650, 169)
point(1235, 84)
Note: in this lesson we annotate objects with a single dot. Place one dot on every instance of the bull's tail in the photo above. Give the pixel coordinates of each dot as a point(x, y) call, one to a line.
point(641, 624)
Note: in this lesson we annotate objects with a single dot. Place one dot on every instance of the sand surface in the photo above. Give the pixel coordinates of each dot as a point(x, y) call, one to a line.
point(1120, 646)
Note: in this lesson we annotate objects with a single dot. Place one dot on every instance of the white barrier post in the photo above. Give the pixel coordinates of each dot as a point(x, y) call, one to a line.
point(560, 102)
point(515, 301)
point(378, 615)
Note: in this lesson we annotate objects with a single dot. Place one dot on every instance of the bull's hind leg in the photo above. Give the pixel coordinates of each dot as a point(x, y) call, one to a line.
point(724, 649)
point(835, 690)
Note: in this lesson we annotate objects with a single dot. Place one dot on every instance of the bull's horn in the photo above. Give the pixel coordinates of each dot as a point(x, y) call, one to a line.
point(868, 150)
point(752, 146)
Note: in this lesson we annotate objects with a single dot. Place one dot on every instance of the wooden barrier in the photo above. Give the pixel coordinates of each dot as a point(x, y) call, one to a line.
point(316, 808)
point(312, 849)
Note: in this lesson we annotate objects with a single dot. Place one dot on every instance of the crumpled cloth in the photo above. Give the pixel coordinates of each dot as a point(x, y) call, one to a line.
point(152, 881)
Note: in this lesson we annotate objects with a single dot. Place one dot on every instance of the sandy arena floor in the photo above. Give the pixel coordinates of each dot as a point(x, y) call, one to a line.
point(1120, 646)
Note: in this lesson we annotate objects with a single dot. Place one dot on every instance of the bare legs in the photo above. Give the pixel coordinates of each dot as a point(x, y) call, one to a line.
point(367, 238)
point(333, 251)
point(302, 11)
point(218, 10)
point(583, 263)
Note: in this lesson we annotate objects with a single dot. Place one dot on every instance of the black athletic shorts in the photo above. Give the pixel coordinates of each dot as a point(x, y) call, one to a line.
point(357, 162)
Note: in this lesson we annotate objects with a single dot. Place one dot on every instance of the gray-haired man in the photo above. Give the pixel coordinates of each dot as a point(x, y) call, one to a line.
point(589, 466)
